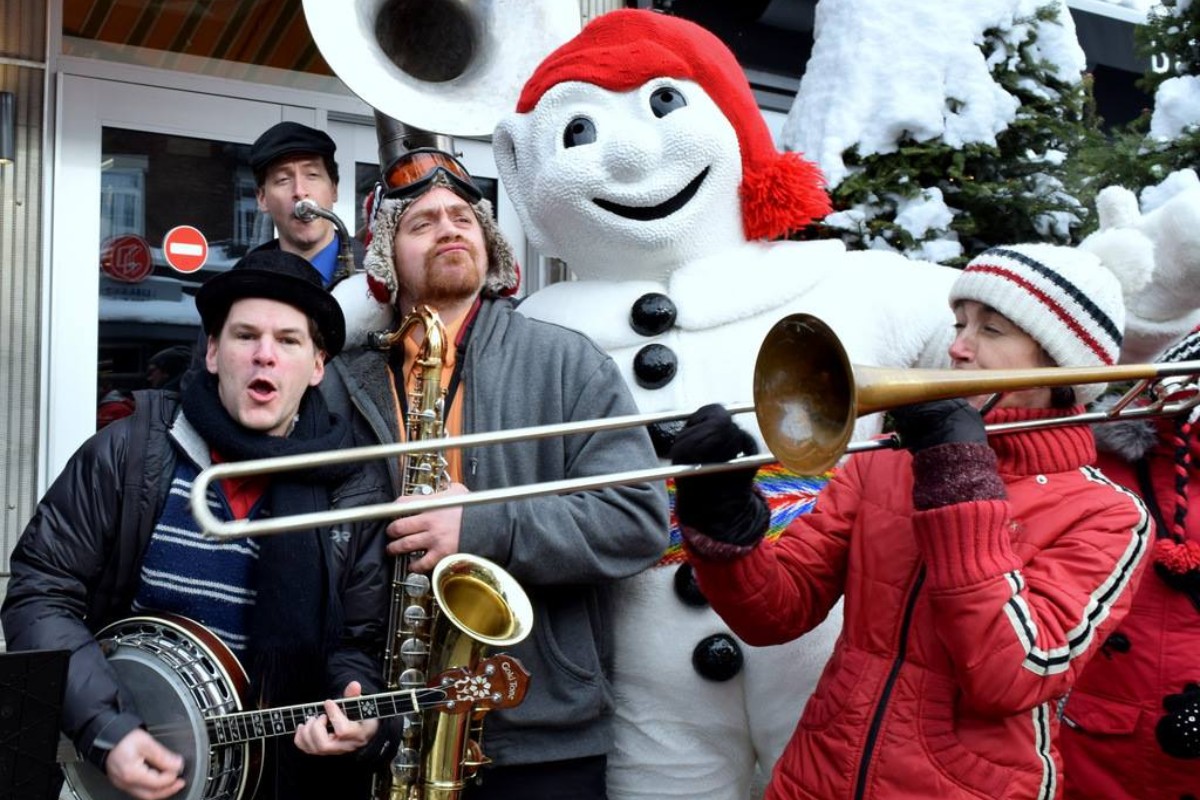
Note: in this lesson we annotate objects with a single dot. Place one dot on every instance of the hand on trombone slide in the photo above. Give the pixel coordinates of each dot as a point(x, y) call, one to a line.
point(723, 505)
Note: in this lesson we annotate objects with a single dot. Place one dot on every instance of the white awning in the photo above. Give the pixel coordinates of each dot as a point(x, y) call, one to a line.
point(1125, 13)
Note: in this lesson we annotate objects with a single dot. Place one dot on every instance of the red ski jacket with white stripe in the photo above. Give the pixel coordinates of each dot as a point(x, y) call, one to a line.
point(964, 624)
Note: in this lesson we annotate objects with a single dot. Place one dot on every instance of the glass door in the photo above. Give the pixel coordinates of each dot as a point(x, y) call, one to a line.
point(136, 163)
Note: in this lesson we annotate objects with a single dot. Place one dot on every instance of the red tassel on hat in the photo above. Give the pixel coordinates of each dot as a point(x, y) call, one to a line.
point(1177, 557)
point(783, 198)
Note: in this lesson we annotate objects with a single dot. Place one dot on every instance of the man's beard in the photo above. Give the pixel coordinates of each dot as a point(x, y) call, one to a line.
point(450, 285)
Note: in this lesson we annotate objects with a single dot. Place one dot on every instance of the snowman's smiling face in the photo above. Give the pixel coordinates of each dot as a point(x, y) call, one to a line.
point(623, 185)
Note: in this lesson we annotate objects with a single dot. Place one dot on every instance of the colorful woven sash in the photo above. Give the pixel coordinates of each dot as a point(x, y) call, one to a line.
point(789, 495)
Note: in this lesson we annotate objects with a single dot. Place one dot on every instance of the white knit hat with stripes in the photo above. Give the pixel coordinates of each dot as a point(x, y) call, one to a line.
point(1186, 349)
point(1063, 297)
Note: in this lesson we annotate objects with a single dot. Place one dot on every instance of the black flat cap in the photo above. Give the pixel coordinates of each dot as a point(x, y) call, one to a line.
point(289, 138)
point(274, 275)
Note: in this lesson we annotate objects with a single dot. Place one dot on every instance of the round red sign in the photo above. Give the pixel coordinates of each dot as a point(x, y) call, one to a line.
point(185, 248)
point(126, 258)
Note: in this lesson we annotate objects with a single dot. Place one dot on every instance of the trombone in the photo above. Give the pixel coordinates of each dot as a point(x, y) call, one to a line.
point(807, 396)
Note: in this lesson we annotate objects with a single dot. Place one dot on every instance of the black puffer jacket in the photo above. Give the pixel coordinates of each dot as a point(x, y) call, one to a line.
point(75, 568)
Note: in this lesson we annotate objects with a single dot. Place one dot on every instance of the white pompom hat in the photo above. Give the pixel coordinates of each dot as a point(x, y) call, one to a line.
point(1062, 297)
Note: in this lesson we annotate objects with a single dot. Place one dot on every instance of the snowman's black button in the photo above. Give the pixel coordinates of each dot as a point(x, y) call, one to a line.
point(686, 588)
point(717, 657)
point(652, 313)
point(654, 366)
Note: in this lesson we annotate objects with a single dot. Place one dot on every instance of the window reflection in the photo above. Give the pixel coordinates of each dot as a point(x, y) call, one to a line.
point(149, 184)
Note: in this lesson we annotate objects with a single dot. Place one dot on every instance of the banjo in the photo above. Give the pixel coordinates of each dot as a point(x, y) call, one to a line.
point(190, 690)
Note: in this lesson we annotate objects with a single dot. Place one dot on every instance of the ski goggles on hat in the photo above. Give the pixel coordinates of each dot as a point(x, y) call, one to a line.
point(415, 171)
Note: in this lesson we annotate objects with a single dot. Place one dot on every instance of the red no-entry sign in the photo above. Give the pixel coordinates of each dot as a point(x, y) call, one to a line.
point(185, 248)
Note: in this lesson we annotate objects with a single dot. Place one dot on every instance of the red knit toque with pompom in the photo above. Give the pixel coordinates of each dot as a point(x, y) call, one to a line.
point(621, 50)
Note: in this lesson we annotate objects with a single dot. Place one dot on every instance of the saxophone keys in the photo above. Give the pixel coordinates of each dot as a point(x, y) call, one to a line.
point(415, 617)
point(416, 584)
point(405, 763)
point(414, 653)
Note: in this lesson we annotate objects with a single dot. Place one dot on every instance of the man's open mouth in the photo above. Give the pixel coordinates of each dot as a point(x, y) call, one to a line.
point(663, 209)
point(261, 389)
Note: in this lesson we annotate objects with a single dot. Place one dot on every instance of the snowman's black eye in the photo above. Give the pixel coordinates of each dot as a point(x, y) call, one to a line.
point(665, 100)
point(579, 131)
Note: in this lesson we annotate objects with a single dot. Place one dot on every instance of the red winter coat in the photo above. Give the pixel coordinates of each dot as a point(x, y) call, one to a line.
point(1109, 748)
point(963, 624)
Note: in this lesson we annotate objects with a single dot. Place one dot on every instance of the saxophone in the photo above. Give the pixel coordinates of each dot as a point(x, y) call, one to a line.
point(442, 622)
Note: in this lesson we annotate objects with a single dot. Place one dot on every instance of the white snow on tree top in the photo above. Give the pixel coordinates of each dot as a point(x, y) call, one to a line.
point(882, 71)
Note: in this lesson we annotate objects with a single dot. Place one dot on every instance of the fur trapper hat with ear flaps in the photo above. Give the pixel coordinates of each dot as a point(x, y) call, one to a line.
point(503, 274)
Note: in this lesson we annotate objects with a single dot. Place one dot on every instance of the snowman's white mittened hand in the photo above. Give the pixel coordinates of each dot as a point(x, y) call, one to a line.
point(1156, 257)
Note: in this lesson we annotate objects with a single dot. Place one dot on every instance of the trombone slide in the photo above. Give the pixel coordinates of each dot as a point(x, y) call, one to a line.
point(807, 396)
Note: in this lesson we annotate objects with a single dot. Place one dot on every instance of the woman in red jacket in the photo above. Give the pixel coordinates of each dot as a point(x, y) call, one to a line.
point(1132, 723)
point(979, 573)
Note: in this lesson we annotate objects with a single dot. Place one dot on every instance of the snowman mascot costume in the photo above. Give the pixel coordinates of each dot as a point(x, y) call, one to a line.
point(637, 154)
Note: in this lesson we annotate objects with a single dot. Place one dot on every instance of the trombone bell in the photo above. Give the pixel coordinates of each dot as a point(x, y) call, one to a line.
point(804, 394)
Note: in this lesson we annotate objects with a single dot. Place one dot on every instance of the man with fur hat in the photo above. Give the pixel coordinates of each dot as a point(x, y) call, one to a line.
point(980, 572)
point(115, 536)
point(293, 162)
point(1132, 723)
point(435, 244)
point(638, 155)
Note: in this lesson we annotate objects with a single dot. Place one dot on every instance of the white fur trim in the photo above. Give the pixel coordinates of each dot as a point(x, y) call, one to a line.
point(364, 314)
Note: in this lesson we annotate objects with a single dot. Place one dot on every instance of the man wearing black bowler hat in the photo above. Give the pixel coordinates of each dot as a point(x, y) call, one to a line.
point(114, 536)
point(293, 162)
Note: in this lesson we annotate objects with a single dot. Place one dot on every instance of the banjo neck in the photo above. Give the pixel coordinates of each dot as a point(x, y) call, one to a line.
point(249, 725)
point(498, 682)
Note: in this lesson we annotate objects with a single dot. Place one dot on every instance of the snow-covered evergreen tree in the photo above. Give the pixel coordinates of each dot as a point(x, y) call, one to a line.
point(945, 128)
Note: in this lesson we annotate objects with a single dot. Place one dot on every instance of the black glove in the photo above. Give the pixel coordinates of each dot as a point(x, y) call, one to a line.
point(722, 505)
point(937, 422)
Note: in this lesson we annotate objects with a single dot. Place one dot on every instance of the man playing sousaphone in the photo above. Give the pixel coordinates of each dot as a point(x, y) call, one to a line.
point(114, 536)
point(436, 247)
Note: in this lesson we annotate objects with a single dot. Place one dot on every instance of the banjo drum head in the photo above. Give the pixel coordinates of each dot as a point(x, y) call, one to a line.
point(175, 682)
